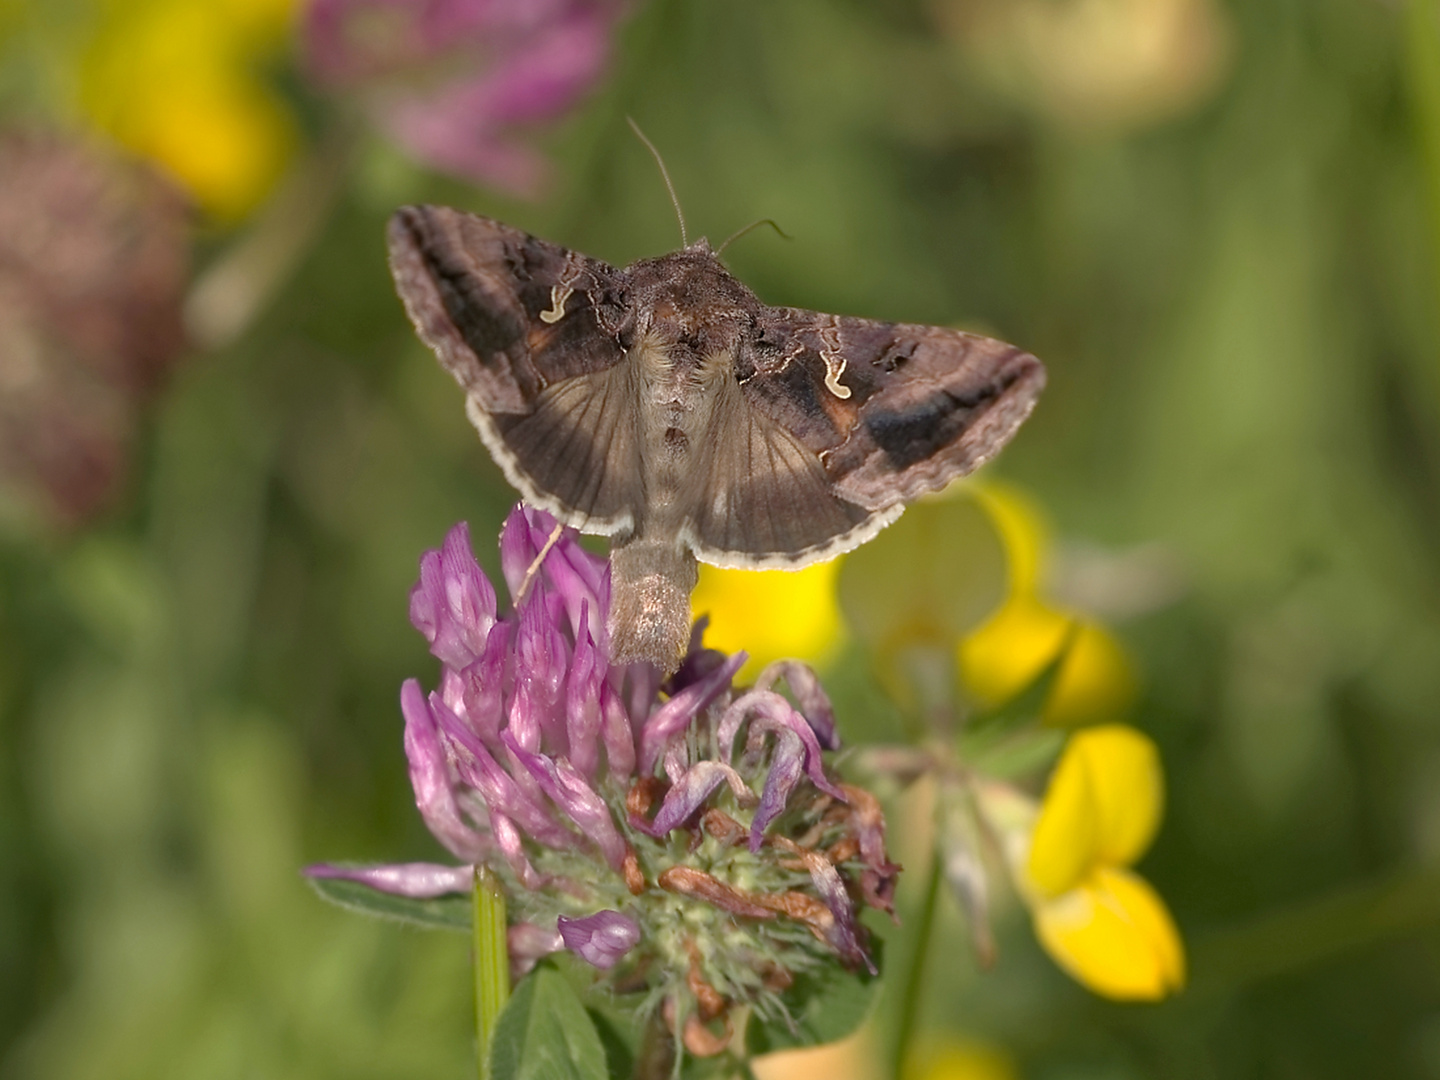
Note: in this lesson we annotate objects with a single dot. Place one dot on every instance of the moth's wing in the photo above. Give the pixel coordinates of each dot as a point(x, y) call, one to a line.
point(532, 331)
point(830, 453)
point(764, 499)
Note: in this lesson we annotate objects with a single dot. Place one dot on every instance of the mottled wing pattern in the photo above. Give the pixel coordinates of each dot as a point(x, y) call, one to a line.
point(890, 410)
point(533, 333)
point(841, 421)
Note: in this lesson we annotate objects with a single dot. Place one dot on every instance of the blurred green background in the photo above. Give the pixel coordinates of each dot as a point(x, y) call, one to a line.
point(1218, 224)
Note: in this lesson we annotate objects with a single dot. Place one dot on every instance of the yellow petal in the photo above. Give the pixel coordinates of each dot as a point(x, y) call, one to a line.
point(176, 82)
point(1064, 845)
point(956, 1059)
point(1115, 936)
point(1128, 784)
point(1023, 529)
point(1095, 682)
point(851, 1058)
point(1102, 807)
point(772, 614)
point(1011, 649)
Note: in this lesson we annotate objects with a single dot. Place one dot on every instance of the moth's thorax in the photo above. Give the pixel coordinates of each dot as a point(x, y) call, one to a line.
point(688, 299)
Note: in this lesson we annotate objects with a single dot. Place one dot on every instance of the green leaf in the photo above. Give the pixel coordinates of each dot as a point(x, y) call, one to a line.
point(441, 913)
point(546, 1034)
point(824, 1006)
point(619, 1040)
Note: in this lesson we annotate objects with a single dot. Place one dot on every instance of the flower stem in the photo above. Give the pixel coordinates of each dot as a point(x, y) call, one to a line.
point(492, 963)
point(915, 971)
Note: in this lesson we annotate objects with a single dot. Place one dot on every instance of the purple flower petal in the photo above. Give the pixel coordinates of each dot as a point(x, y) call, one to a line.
point(582, 701)
point(600, 939)
point(681, 710)
point(476, 693)
point(541, 658)
point(420, 881)
point(430, 777)
point(689, 794)
point(453, 604)
point(771, 712)
point(579, 579)
point(618, 734)
point(479, 769)
point(809, 694)
point(787, 765)
point(843, 937)
point(512, 846)
point(569, 791)
point(527, 943)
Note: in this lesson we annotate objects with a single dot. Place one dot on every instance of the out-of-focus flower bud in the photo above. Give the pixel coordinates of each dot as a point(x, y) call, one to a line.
point(94, 257)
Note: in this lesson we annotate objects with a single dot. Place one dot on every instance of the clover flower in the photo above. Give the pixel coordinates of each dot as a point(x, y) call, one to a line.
point(455, 82)
point(94, 256)
point(685, 838)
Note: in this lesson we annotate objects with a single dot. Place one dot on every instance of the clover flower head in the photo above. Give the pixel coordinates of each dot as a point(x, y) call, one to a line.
point(685, 837)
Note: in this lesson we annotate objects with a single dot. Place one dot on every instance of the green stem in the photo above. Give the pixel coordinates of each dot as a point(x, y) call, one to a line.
point(915, 973)
point(492, 963)
point(1355, 917)
point(1422, 62)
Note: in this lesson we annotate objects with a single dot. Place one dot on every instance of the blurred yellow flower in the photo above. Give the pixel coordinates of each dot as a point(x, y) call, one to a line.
point(1099, 921)
point(955, 1059)
point(852, 1058)
point(772, 614)
point(1108, 66)
point(1094, 681)
point(181, 83)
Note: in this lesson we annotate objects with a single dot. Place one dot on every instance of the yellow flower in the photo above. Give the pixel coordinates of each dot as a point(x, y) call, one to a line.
point(1099, 921)
point(773, 614)
point(180, 82)
point(1094, 680)
point(954, 1059)
point(852, 1058)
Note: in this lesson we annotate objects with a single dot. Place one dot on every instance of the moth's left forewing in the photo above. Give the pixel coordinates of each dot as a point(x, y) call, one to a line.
point(534, 332)
point(891, 410)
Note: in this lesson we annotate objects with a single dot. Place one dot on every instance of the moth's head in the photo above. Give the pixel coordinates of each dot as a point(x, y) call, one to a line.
point(689, 298)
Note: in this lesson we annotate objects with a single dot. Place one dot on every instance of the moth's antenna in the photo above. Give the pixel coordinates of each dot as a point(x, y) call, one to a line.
point(684, 241)
point(753, 225)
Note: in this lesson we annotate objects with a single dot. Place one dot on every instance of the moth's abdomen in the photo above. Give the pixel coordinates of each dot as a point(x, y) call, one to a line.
point(650, 585)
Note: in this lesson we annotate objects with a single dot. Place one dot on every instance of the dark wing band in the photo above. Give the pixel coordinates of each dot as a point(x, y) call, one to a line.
point(891, 410)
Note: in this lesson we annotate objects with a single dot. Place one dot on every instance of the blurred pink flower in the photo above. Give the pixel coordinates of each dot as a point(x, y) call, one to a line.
point(458, 82)
point(94, 257)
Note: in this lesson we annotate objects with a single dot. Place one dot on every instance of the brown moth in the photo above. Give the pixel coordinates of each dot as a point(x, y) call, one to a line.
point(666, 406)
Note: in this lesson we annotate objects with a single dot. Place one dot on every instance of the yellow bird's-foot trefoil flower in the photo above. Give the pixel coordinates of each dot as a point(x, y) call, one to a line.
point(1093, 678)
point(1101, 922)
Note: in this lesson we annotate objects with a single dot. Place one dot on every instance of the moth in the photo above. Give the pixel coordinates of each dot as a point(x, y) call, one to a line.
point(665, 406)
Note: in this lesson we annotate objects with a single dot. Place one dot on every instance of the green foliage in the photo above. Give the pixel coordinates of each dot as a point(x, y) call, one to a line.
point(546, 1034)
point(822, 1009)
point(438, 913)
point(1237, 306)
